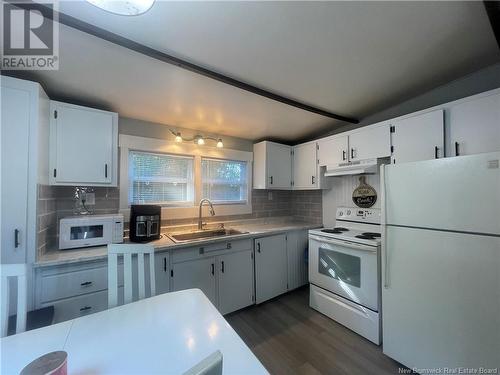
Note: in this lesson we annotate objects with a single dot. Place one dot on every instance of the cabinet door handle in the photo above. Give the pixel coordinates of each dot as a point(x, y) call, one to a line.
point(352, 153)
point(228, 246)
point(343, 154)
point(165, 264)
point(457, 151)
point(258, 247)
point(222, 266)
point(312, 179)
point(85, 308)
point(16, 238)
point(106, 170)
point(86, 283)
point(271, 180)
point(213, 269)
point(436, 149)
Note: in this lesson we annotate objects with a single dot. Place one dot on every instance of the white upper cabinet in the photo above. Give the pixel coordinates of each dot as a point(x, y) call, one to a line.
point(418, 138)
point(333, 150)
point(83, 146)
point(475, 126)
point(272, 167)
point(16, 105)
point(305, 168)
point(24, 140)
point(370, 142)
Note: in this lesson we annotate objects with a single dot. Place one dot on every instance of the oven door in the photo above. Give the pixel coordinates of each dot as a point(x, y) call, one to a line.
point(345, 268)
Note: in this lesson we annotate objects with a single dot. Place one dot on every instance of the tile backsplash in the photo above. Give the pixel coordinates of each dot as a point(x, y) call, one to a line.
point(57, 202)
point(46, 218)
point(106, 200)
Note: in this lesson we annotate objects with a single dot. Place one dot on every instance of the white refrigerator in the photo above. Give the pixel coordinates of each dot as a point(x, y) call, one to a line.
point(441, 262)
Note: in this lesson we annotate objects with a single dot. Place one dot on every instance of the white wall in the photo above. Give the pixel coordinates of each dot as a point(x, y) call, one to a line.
point(341, 195)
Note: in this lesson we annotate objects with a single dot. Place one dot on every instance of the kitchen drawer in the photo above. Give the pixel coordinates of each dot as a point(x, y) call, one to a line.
point(70, 284)
point(75, 307)
point(211, 249)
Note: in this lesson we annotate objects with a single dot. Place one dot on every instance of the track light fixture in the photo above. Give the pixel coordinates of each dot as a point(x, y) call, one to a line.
point(124, 7)
point(198, 139)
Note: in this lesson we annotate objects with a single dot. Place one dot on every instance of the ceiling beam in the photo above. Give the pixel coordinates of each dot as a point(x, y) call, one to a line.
point(183, 64)
point(493, 11)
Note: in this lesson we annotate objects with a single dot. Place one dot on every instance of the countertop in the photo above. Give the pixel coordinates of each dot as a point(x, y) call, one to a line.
point(254, 227)
point(148, 336)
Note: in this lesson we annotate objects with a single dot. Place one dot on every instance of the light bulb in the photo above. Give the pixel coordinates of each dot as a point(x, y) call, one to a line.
point(200, 141)
point(219, 143)
point(178, 137)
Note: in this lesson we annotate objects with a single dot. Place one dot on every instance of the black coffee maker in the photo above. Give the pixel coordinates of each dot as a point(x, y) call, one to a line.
point(145, 222)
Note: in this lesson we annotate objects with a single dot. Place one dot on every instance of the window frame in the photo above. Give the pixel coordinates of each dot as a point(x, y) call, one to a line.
point(240, 202)
point(161, 146)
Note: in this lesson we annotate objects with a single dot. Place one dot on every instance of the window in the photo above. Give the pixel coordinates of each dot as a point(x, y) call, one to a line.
point(224, 181)
point(160, 179)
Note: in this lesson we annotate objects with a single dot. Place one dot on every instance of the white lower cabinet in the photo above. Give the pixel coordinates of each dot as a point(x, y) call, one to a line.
point(296, 247)
point(223, 271)
point(280, 264)
point(236, 281)
point(230, 273)
point(162, 272)
point(71, 308)
point(271, 269)
point(199, 273)
point(82, 288)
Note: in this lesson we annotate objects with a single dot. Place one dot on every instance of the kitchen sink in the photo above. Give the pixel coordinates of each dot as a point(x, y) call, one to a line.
point(203, 234)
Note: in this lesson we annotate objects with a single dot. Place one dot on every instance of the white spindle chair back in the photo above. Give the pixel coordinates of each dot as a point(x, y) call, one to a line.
point(127, 251)
point(17, 271)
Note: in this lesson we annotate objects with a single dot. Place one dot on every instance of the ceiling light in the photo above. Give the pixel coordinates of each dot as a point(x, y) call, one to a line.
point(219, 143)
point(200, 141)
point(178, 137)
point(124, 7)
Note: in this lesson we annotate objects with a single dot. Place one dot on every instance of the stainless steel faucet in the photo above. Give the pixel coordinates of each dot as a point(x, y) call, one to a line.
point(212, 212)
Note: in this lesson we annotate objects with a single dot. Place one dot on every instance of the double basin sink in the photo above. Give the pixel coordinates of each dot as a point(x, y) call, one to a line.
point(203, 234)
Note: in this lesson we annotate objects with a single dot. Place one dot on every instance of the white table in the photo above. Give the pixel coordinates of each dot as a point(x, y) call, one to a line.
point(165, 334)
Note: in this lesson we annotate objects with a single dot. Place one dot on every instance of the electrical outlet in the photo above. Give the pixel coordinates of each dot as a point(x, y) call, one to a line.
point(89, 199)
point(270, 196)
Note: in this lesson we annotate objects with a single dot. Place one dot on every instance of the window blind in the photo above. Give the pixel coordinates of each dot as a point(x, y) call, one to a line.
point(224, 181)
point(160, 179)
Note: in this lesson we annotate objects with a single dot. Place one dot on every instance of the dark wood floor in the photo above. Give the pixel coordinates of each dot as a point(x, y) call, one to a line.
point(289, 337)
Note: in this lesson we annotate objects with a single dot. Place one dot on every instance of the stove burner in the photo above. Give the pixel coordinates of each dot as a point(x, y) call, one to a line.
point(336, 230)
point(365, 237)
point(372, 234)
point(332, 231)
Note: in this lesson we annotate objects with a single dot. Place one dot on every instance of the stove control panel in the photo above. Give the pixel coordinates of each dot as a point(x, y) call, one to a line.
point(368, 215)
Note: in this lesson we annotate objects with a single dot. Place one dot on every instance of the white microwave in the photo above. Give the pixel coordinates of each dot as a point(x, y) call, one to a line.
point(91, 230)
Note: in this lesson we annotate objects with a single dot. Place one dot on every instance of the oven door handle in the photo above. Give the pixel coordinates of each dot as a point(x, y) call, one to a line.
point(351, 245)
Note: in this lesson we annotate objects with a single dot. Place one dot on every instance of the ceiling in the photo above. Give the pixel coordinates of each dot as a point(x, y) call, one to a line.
point(351, 58)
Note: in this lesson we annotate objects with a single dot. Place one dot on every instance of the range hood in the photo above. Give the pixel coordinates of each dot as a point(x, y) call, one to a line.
point(369, 166)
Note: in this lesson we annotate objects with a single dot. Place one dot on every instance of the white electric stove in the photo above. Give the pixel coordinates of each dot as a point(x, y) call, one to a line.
point(344, 270)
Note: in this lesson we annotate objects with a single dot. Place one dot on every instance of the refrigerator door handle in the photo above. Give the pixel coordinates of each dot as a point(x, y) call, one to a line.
point(383, 225)
point(386, 268)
